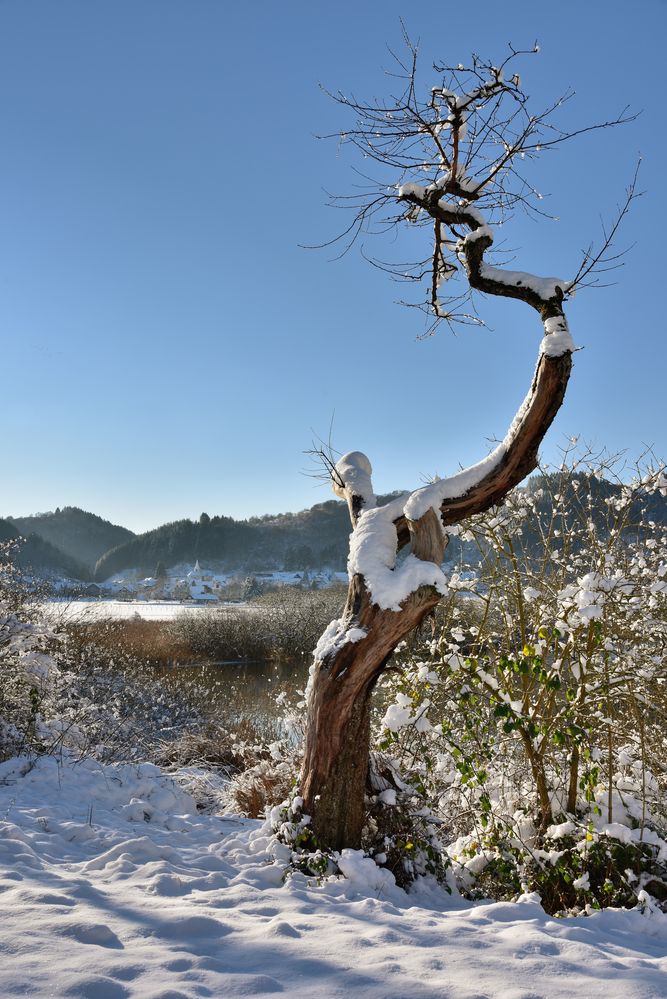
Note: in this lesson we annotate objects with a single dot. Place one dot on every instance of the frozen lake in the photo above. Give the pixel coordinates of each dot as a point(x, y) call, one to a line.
point(149, 610)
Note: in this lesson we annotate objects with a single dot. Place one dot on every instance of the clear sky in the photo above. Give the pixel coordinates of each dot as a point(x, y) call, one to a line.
point(168, 347)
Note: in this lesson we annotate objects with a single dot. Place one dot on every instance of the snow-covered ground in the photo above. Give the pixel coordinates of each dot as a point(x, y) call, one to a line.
point(113, 886)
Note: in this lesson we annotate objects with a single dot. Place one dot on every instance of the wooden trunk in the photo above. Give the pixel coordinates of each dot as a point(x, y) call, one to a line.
point(335, 766)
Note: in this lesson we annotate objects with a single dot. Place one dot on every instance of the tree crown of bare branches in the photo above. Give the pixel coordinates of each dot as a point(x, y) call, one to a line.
point(457, 162)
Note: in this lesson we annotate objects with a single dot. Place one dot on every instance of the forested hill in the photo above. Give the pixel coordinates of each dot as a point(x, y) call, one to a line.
point(85, 537)
point(316, 538)
point(587, 497)
point(33, 554)
point(313, 538)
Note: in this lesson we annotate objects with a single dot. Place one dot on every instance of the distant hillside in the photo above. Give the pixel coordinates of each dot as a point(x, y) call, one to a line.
point(310, 539)
point(316, 538)
point(35, 554)
point(83, 536)
point(586, 497)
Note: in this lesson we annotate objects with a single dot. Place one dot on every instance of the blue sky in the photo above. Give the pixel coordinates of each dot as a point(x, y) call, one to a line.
point(168, 347)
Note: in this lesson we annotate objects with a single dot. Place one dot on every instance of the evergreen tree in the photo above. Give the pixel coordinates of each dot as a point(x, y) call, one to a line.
point(251, 588)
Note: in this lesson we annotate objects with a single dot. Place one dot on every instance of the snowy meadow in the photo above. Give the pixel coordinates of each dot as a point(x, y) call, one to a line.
point(516, 810)
point(116, 884)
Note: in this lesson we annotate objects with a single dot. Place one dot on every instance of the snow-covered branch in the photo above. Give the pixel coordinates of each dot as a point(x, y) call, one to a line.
point(452, 163)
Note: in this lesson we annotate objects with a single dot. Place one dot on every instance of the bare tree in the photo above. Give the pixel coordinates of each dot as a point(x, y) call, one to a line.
point(467, 143)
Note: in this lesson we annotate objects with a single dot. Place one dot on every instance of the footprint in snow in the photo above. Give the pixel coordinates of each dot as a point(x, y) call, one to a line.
point(250, 985)
point(92, 933)
point(95, 988)
point(125, 972)
point(193, 926)
point(212, 964)
point(51, 898)
point(179, 964)
point(537, 948)
point(170, 885)
point(279, 928)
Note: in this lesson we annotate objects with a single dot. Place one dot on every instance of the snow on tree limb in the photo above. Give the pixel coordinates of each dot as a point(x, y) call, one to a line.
point(377, 535)
point(380, 531)
point(522, 439)
point(351, 480)
point(373, 550)
point(452, 163)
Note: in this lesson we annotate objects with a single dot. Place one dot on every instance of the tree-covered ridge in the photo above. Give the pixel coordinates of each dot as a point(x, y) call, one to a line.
point(308, 539)
point(34, 554)
point(84, 536)
point(587, 497)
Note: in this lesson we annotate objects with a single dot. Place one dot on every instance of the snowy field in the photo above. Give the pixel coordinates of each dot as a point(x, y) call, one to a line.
point(149, 610)
point(113, 886)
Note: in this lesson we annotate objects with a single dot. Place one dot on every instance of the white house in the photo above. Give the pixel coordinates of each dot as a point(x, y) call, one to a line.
point(200, 584)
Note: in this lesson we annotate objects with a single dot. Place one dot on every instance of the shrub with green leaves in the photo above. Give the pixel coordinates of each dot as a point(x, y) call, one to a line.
point(540, 697)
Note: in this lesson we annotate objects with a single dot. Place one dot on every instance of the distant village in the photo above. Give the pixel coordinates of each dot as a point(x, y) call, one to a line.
point(199, 585)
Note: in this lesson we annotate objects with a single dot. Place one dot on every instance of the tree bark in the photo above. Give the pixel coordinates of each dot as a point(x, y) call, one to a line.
point(540, 778)
point(335, 765)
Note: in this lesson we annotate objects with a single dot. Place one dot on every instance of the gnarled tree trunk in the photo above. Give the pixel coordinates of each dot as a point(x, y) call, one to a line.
point(466, 147)
point(354, 651)
point(348, 664)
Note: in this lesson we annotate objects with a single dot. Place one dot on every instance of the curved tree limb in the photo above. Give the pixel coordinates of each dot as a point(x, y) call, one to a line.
point(467, 125)
point(386, 602)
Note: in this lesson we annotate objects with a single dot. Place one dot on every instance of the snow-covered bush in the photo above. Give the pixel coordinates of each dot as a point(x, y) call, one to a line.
point(268, 771)
point(57, 692)
point(26, 667)
point(402, 833)
point(540, 697)
point(296, 845)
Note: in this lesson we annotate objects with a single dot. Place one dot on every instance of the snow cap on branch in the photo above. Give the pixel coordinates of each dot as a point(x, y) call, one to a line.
point(353, 476)
point(557, 337)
